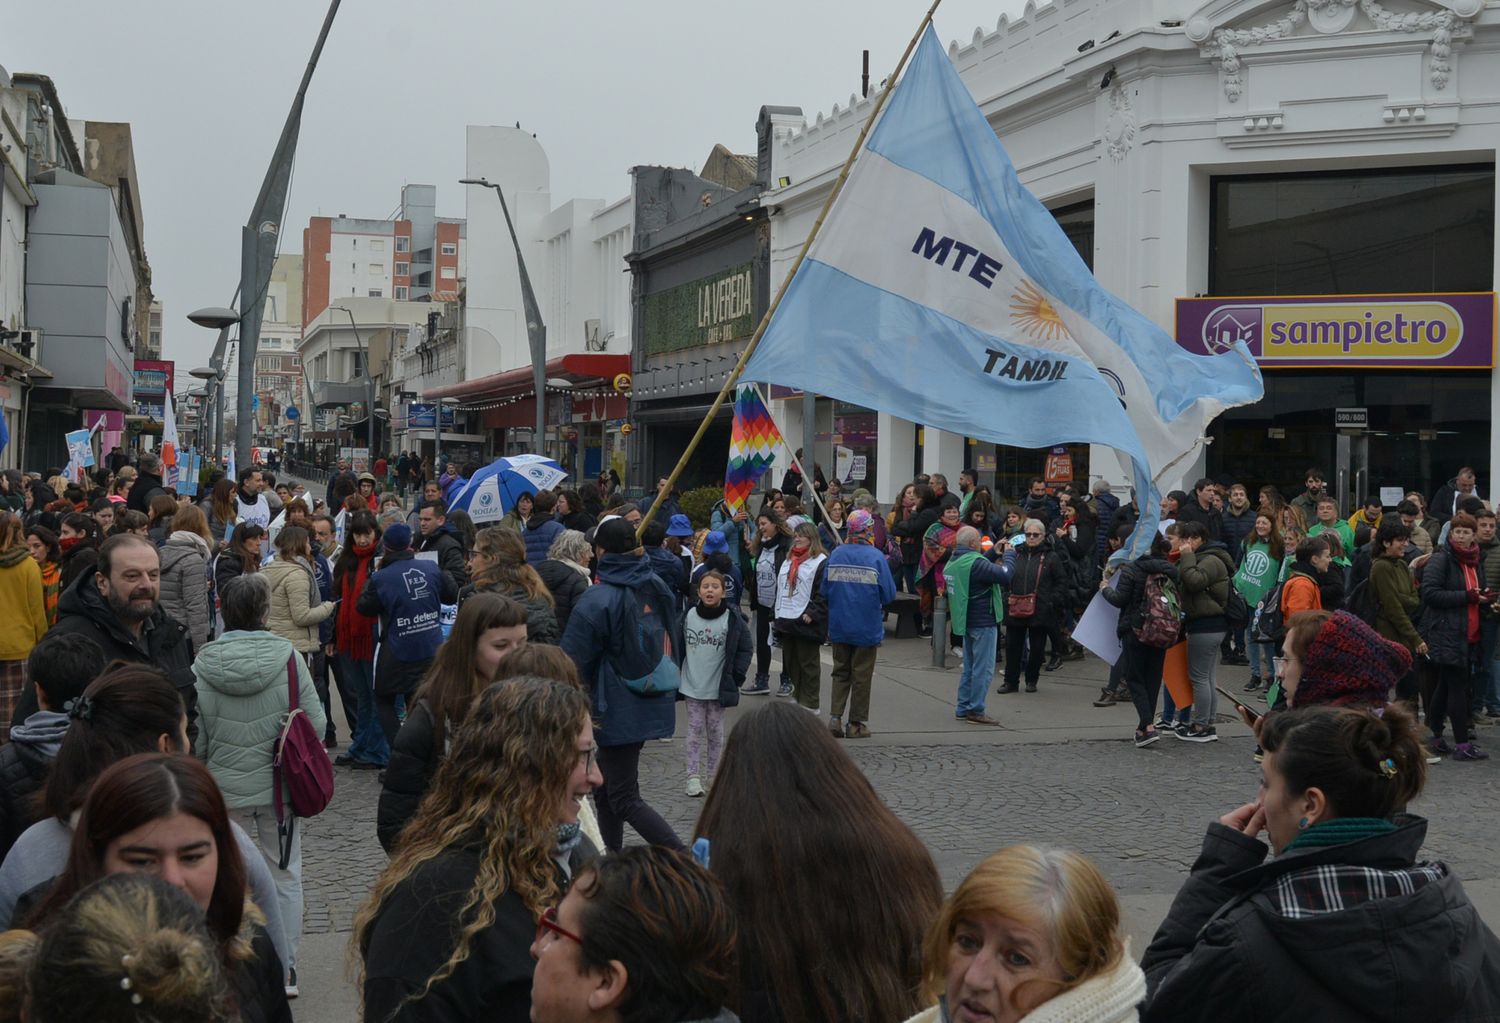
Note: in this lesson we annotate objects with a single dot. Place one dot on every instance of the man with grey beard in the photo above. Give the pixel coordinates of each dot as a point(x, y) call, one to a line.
point(116, 605)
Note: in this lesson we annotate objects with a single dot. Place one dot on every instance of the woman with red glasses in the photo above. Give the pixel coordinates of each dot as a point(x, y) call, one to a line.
point(448, 929)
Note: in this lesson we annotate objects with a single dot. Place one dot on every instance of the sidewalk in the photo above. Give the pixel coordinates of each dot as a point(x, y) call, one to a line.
point(912, 702)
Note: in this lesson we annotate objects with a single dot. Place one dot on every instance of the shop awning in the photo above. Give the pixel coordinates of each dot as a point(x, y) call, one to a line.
point(578, 368)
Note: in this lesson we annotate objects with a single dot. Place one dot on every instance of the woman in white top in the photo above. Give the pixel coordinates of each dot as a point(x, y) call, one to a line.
point(802, 613)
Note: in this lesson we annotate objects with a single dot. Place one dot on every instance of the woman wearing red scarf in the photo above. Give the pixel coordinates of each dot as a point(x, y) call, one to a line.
point(354, 641)
point(1453, 597)
point(802, 614)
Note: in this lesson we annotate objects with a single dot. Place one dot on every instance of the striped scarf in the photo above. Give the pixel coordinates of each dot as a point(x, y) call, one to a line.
point(51, 588)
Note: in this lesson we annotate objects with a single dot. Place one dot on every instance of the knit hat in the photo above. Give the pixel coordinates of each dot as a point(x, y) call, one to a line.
point(617, 536)
point(714, 542)
point(860, 521)
point(1350, 664)
point(679, 525)
point(397, 536)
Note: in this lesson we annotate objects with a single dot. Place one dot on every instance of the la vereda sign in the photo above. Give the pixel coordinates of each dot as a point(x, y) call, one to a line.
point(707, 311)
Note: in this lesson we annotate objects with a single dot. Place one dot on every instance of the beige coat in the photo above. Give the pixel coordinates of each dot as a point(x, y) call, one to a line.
point(294, 616)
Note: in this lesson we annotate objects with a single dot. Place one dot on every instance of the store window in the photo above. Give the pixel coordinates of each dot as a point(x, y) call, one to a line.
point(1077, 222)
point(1428, 229)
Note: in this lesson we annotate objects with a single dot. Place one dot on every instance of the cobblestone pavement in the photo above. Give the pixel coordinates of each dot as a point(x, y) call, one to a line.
point(1139, 814)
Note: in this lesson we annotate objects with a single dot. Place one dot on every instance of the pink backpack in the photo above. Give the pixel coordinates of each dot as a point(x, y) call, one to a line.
point(299, 761)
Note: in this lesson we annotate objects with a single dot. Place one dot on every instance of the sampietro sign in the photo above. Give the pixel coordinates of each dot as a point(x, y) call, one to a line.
point(1346, 332)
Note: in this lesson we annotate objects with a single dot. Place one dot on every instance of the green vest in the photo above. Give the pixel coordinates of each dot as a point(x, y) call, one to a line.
point(956, 574)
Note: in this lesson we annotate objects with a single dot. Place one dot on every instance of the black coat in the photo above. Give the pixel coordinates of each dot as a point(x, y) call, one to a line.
point(414, 760)
point(1040, 570)
point(1445, 607)
point(1228, 950)
point(566, 585)
point(450, 554)
point(163, 644)
point(413, 935)
point(1129, 594)
point(145, 487)
point(1192, 511)
point(23, 771)
point(82, 558)
point(541, 620)
point(260, 983)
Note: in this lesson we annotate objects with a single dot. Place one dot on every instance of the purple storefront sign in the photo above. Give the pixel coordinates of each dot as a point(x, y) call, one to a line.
point(1346, 331)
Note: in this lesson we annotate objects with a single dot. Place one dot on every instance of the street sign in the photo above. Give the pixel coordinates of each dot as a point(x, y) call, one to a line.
point(292, 413)
point(1351, 418)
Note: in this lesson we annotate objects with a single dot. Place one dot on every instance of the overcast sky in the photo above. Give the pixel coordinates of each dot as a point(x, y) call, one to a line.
point(605, 86)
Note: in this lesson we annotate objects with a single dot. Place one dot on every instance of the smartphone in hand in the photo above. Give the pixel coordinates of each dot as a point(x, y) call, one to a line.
point(1250, 711)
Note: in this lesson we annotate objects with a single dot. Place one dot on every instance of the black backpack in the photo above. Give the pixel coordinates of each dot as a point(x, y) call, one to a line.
point(1361, 602)
point(1266, 624)
point(1236, 610)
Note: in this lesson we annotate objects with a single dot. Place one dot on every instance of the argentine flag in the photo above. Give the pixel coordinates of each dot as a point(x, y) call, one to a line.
point(941, 291)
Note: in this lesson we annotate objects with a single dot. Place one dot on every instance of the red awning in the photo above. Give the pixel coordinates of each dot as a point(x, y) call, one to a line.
point(577, 368)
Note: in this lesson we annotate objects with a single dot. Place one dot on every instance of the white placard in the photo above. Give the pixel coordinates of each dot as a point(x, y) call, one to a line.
point(1096, 630)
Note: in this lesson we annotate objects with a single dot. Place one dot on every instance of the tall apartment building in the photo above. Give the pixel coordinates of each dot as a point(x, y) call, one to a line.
point(414, 256)
point(278, 367)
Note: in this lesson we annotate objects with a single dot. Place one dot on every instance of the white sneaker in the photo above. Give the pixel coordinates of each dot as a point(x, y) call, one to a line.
point(694, 786)
point(1433, 758)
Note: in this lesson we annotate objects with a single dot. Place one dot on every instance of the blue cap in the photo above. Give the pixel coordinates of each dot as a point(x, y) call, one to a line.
point(715, 543)
point(679, 525)
point(397, 537)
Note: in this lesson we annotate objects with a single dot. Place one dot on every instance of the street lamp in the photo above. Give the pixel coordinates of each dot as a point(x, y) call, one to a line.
point(369, 383)
point(218, 318)
point(213, 398)
point(536, 330)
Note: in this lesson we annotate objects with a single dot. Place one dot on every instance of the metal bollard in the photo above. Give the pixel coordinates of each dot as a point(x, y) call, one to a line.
point(940, 632)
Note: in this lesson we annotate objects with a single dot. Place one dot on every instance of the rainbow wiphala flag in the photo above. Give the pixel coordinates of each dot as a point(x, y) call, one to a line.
point(752, 446)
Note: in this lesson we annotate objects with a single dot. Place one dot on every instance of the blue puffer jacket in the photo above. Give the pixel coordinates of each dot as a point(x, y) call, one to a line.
point(539, 535)
point(857, 582)
point(595, 627)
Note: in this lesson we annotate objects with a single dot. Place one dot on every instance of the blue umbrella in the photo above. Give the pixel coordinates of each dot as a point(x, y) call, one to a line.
point(494, 490)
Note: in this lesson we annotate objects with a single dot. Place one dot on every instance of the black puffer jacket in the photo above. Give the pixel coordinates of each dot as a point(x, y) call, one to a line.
point(23, 769)
point(1445, 607)
point(1040, 570)
point(541, 622)
point(163, 643)
point(414, 760)
point(566, 584)
point(1235, 942)
point(1129, 594)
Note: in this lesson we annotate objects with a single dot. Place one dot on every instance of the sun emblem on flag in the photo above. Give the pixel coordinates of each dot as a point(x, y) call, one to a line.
point(1035, 315)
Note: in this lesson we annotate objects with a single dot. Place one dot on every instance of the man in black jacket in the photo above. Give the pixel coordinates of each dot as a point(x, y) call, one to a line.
point(148, 484)
point(116, 604)
point(437, 535)
point(1202, 507)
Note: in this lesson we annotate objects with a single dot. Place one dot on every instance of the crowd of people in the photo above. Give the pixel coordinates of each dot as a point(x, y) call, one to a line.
point(505, 681)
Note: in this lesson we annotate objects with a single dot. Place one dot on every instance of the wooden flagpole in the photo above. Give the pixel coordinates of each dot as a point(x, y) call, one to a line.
point(760, 330)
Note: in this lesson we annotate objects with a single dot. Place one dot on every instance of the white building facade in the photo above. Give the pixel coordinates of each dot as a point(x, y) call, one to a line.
point(1260, 149)
point(575, 258)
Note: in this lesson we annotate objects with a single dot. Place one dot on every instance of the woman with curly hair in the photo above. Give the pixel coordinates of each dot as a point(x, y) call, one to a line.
point(495, 844)
point(497, 564)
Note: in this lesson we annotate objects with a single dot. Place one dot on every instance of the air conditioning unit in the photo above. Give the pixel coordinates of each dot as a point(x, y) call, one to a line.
point(29, 343)
point(593, 339)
